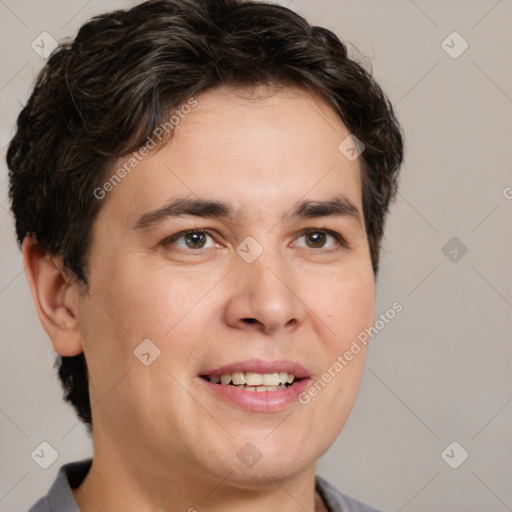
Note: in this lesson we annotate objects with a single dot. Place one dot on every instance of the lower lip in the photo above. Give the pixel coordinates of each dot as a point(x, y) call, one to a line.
point(258, 401)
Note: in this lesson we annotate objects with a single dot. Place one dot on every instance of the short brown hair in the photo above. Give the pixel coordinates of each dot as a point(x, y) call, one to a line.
point(101, 96)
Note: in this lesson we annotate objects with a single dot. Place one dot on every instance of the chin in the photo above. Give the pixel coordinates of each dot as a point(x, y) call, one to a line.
point(255, 461)
point(268, 472)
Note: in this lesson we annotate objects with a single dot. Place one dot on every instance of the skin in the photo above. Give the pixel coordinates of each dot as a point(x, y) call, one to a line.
point(161, 441)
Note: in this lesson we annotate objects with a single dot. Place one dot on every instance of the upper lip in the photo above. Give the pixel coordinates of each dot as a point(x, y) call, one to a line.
point(259, 366)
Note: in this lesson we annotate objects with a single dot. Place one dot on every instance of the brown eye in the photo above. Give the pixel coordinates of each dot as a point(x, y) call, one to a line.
point(321, 239)
point(193, 240)
point(315, 239)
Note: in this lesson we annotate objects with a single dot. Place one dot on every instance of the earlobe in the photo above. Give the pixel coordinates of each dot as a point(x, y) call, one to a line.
point(55, 295)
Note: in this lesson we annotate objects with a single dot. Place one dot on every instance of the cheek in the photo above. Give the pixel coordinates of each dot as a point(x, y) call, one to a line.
point(145, 303)
point(123, 310)
point(347, 305)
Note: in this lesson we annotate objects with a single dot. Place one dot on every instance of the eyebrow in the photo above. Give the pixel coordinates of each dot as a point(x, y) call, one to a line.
point(335, 207)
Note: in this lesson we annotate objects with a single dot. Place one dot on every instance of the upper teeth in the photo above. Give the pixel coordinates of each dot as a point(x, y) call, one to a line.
point(254, 379)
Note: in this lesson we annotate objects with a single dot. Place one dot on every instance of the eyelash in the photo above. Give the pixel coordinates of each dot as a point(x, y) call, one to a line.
point(337, 236)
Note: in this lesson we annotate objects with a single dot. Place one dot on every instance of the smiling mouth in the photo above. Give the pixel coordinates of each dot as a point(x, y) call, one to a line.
point(250, 381)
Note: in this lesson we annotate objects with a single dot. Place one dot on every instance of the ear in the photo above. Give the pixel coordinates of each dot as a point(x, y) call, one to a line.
point(55, 292)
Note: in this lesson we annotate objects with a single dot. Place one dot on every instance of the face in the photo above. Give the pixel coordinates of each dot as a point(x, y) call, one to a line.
point(238, 249)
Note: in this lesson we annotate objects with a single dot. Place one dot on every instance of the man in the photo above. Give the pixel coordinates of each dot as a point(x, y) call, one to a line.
point(200, 189)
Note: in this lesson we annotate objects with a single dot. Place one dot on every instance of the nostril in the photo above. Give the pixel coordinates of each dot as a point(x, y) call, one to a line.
point(250, 320)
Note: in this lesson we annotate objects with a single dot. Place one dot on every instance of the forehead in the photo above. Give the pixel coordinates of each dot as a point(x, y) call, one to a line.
point(259, 150)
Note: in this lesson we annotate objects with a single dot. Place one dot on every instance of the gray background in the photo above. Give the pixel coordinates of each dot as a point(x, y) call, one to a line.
point(441, 370)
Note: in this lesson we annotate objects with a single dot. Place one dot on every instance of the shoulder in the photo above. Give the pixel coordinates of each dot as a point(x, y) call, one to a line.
point(336, 501)
point(59, 497)
point(41, 505)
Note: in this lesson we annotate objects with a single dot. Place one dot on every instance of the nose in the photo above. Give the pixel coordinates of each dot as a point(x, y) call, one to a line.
point(264, 296)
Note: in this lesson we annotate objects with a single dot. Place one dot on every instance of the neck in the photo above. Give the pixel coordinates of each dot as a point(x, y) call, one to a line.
point(124, 483)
